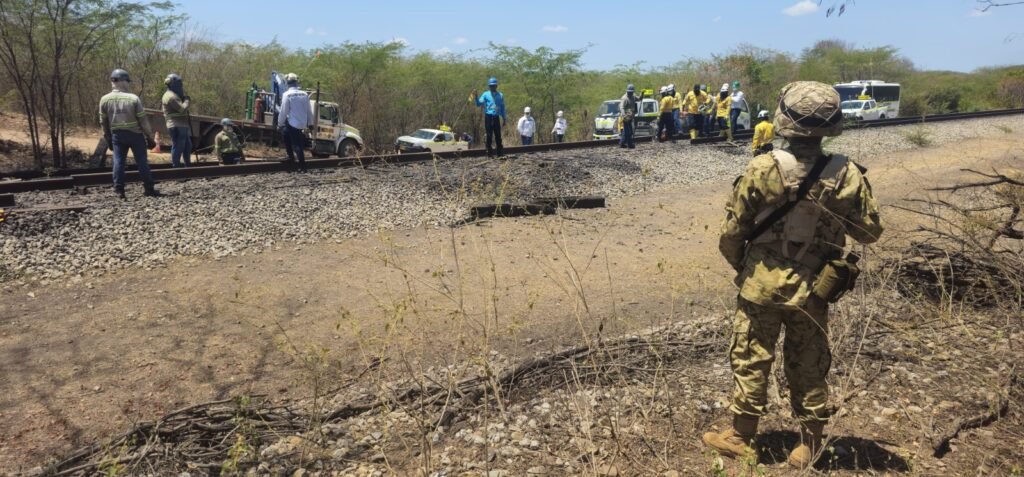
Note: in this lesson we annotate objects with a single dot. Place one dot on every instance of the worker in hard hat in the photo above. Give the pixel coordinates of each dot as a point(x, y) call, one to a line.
point(227, 147)
point(764, 134)
point(709, 111)
point(295, 117)
point(693, 105)
point(560, 127)
point(738, 104)
point(628, 107)
point(677, 107)
point(125, 127)
point(666, 121)
point(722, 105)
point(527, 127)
point(175, 105)
point(493, 104)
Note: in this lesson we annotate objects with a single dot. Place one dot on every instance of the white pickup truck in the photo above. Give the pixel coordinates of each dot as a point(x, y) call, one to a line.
point(430, 140)
point(863, 110)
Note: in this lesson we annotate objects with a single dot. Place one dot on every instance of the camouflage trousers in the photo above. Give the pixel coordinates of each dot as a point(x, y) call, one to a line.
point(806, 357)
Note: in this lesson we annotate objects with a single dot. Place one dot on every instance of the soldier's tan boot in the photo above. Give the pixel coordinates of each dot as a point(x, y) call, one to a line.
point(803, 455)
point(734, 442)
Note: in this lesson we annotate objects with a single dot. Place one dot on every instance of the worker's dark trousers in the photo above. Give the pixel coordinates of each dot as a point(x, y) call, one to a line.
point(734, 117)
point(666, 124)
point(287, 144)
point(492, 124)
point(181, 146)
point(626, 137)
point(296, 139)
point(123, 141)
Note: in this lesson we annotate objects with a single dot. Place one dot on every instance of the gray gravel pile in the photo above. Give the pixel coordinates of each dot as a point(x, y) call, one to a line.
point(227, 216)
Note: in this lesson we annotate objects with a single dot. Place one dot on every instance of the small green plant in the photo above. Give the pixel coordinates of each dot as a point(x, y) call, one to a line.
point(1004, 128)
point(919, 136)
point(239, 451)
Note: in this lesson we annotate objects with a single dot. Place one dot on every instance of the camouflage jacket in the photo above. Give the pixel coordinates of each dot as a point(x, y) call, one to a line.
point(767, 275)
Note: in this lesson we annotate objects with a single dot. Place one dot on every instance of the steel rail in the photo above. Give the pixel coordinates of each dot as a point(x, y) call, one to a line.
point(163, 172)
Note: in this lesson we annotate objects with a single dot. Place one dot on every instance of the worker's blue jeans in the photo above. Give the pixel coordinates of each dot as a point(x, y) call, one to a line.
point(626, 137)
point(296, 140)
point(677, 120)
point(734, 117)
point(527, 140)
point(181, 146)
point(123, 141)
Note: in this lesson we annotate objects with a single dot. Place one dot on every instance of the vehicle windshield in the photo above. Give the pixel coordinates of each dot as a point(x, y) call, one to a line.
point(852, 104)
point(610, 108)
point(423, 134)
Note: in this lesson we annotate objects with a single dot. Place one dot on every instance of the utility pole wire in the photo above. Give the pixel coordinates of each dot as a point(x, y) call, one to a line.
point(988, 4)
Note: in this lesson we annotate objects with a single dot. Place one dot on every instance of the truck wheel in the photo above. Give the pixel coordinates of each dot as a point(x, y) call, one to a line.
point(348, 148)
point(881, 117)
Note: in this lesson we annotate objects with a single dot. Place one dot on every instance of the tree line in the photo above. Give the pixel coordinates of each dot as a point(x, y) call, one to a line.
point(55, 56)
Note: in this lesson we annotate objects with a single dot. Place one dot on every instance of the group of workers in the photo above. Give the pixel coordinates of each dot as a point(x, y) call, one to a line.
point(125, 128)
point(700, 111)
point(492, 102)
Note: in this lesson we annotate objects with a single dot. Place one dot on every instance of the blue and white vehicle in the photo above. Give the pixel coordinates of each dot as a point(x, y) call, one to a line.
point(867, 100)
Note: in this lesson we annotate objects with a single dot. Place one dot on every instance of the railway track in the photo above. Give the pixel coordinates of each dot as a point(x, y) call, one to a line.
point(163, 172)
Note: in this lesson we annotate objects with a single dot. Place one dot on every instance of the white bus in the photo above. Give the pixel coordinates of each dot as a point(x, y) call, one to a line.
point(882, 97)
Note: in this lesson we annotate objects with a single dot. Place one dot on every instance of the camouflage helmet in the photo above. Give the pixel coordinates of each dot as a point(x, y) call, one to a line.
point(808, 109)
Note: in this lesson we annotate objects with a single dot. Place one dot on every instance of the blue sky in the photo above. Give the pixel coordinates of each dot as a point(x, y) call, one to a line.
point(934, 34)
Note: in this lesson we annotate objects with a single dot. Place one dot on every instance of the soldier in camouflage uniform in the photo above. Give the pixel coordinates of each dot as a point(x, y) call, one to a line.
point(777, 269)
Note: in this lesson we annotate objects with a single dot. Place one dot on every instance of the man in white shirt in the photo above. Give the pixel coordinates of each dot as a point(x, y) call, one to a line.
point(560, 127)
point(296, 116)
point(738, 103)
point(527, 127)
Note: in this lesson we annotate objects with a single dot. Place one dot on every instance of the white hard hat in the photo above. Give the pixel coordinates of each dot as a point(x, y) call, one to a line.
point(526, 110)
point(671, 87)
point(763, 114)
point(560, 114)
point(664, 89)
point(725, 86)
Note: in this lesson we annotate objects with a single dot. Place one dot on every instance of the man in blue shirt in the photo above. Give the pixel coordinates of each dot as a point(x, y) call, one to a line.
point(493, 103)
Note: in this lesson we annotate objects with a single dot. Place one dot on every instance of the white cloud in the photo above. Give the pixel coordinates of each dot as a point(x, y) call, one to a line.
point(460, 40)
point(444, 50)
point(509, 42)
point(802, 7)
point(313, 31)
point(399, 41)
point(979, 13)
point(555, 28)
point(717, 19)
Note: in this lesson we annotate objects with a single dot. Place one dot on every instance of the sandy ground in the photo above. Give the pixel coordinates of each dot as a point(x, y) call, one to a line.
point(83, 360)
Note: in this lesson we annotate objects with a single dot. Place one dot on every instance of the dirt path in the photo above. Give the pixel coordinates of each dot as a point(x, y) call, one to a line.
point(83, 360)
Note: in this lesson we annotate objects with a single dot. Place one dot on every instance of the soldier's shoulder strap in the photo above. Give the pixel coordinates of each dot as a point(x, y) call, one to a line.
point(808, 181)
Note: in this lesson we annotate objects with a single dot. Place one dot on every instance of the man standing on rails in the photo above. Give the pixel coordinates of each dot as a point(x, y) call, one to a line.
point(493, 103)
point(175, 105)
point(295, 117)
point(628, 106)
point(735, 108)
point(125, 128)
point(560, 127)
point(692, 104)
point(527, 127)
point(785, 233)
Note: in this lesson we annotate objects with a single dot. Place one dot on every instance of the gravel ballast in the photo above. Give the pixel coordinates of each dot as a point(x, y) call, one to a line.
point(219, 217)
